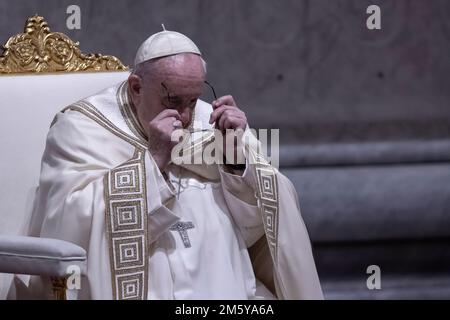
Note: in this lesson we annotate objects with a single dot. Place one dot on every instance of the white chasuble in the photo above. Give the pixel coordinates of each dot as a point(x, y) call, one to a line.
point(191, 232)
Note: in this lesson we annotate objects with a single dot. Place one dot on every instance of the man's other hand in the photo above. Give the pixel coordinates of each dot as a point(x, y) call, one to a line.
point(227, 115)
point(159, 132)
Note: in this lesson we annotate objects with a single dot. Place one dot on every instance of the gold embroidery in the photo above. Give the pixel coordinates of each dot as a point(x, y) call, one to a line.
point(38, 50)
point(126, 219)
point(125, 196)
point(125, 105)
point(267, 195)
point(126, 180)
point(91, 112)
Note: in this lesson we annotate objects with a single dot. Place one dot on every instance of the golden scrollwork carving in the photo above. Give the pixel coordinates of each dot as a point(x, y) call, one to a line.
point(38, 50)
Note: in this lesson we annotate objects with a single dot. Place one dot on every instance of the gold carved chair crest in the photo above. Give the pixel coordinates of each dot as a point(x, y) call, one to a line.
point(38, 50)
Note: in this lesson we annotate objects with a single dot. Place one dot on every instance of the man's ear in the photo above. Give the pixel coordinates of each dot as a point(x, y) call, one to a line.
point(135, 86)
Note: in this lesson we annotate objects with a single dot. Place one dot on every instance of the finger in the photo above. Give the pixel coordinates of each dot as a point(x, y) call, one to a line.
point(230, 112)
point(226, 117)
point(165, 125)
point(225, 100)
point(216, 114)
point(236, 121)
point(230, 123)
point(177, 124)
point(229, 115)
point(168, 113)
point(171, 122)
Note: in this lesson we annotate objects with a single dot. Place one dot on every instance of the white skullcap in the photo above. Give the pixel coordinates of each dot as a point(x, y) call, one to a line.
point(165, 43)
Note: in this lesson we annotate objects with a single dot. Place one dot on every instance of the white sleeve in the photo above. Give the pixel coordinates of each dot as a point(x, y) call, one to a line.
point(160, 217)
point(241, 200)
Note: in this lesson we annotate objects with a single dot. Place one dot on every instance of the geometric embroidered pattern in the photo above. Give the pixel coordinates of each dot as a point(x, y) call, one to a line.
point(126, 223)
point(267, 184)
point(271, 224)
point(267, 194)
point(130, 286)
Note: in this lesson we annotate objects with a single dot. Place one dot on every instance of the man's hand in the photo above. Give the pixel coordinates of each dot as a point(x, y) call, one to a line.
point(159, 132)
point(227, 115)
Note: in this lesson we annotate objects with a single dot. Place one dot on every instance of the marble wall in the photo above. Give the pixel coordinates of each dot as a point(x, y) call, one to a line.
point(311, 68)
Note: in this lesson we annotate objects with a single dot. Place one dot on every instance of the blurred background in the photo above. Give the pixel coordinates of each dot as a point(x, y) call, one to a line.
point(364, 115)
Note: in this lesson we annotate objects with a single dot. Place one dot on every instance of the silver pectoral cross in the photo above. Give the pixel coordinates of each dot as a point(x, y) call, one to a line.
point(182, 228)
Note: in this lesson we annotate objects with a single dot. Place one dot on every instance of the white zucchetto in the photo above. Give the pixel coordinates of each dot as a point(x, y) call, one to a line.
point(165, 43)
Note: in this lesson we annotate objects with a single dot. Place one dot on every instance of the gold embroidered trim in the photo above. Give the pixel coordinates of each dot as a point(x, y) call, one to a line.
point(125, 105)
point(268, 199)
point(93, 113)
point(125, 197)
point(126, 226)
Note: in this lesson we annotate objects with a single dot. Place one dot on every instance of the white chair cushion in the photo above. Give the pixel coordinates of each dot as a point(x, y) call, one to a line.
point(40, 256)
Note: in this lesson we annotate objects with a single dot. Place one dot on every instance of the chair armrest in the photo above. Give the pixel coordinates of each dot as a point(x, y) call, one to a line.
point(40, 256)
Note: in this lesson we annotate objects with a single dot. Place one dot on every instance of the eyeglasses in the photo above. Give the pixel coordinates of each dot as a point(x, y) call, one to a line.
point(212, 88)
point(170, 100)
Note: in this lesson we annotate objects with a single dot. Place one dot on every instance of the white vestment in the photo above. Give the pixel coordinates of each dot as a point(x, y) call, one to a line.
point(100, 188)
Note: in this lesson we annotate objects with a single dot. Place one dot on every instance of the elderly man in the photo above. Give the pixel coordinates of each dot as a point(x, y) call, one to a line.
point(154, 229)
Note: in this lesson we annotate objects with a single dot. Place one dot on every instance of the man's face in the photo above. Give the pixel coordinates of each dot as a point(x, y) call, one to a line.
point(177, 85)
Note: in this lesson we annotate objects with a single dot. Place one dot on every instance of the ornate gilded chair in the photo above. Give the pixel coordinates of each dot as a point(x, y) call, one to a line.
point(41, 72)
